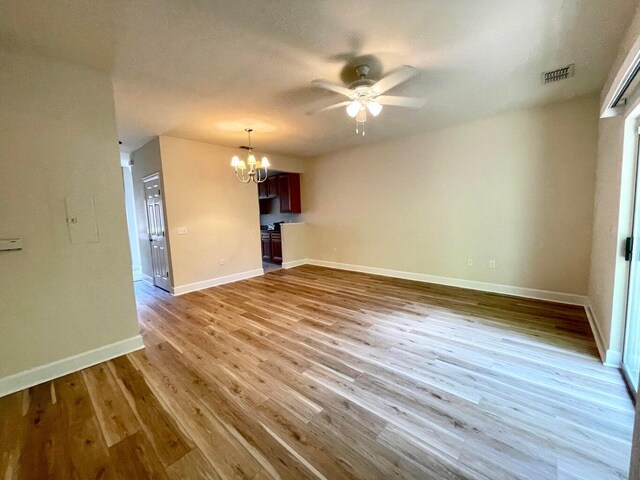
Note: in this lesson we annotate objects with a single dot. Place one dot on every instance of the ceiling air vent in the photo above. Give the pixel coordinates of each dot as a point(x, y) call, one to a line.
point(558, 74)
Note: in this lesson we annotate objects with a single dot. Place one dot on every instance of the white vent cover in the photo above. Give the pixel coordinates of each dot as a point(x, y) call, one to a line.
point(558, 74)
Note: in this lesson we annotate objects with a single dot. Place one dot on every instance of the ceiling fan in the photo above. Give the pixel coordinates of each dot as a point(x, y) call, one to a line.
point(366, 95)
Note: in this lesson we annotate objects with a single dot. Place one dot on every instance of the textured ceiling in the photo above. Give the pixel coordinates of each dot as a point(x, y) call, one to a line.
point(205, 70)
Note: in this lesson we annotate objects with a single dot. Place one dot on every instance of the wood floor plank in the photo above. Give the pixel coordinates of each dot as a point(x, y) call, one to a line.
point(193, 466)
point(113, 412)
point(166, 439)
point(313, 373)
point(12, 431)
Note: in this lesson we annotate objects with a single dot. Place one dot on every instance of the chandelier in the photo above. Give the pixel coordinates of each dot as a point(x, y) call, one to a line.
point(250, 169)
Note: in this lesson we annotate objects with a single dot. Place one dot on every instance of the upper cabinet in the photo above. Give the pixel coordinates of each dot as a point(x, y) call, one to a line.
point(289, 193)
point(269, 188)
point(286, 187)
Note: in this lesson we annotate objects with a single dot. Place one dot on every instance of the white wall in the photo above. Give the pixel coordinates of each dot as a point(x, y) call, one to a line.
point(516, 188)
point(132, 224)
point(58, 142)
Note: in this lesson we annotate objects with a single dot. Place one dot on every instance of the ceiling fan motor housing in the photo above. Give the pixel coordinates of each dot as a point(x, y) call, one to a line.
point(363, 81)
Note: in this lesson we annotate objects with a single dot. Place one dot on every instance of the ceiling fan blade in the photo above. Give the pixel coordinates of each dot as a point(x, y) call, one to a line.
point(330, 107)
point(396, 77)
point(334, 87)
point(411, 102)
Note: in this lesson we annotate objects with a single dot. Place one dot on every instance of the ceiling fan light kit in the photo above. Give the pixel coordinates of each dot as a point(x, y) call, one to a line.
point(365, 95)
point(251, 169)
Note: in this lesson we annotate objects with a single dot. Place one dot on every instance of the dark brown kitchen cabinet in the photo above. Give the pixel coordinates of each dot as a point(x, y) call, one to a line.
point(276, 248)
point(272, 186)
point(268, 188)
point(263, 189)
point(271, 246)
point(289, 193)
point(266, 246)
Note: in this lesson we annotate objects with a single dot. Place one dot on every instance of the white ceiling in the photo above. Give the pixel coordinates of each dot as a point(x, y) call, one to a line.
point(205, 70)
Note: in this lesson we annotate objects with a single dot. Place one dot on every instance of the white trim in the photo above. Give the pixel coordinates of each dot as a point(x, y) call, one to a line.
point(212, 282)
point(147, 278)
point(624, 71)
point(137, 273)
point(295, 263)
point(559, 297)
point(44, 373)
point(613, 359)
point(593, 323)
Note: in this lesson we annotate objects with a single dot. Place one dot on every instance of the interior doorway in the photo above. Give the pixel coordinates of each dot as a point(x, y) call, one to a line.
point(156, 229)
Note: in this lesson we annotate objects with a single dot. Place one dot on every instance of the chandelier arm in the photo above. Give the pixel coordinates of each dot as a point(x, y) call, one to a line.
point(260, 177)
point(243, 178)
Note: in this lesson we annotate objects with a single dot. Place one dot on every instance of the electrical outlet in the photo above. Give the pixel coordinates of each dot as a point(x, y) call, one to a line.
point(222, 261)
point(470, 262)
point(492, 264)
point(181, 230)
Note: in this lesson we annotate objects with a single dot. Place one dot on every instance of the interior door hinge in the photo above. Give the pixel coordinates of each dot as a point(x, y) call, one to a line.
point(628, 248)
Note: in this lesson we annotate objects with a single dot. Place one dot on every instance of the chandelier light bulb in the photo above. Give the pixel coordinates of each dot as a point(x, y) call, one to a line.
point(235, 161)
point(264, 163)
point(353, 108)
point(251, 160)
point(242, 165)
point(374, 107)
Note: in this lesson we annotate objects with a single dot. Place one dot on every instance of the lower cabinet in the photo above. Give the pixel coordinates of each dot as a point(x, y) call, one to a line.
point(266, 246)
point(276, 248)
point(271, 246)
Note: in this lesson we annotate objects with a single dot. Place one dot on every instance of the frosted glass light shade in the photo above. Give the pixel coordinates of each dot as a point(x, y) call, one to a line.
point(235, 161)
point(375, 108)
point(361, 116)
point(242, 165)
point(353, 108)
point(251, 160)
point(264, 163)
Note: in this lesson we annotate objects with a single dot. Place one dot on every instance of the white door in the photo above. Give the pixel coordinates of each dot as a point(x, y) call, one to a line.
point(631, 352)
point(157, 236)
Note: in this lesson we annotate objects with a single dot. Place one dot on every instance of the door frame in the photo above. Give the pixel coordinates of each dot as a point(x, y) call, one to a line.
point(635, 250)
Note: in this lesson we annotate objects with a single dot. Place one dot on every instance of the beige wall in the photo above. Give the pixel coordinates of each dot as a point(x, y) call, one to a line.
point(516, 188)
point(294, 243)
point(146, 161)
point(221, 214)
point(612, 212)
point(605, 222)
point(58, 141)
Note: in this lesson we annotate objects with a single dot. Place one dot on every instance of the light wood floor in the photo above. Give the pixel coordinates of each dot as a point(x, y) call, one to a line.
point(317, 373)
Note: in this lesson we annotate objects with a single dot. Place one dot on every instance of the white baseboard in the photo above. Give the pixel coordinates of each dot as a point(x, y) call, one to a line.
point(147, 278)
point(613, 359)
point(559, 297)
point(137, 273)
point(610, 358)
point(294, 263)
point(212, 282)
point(59, 368)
